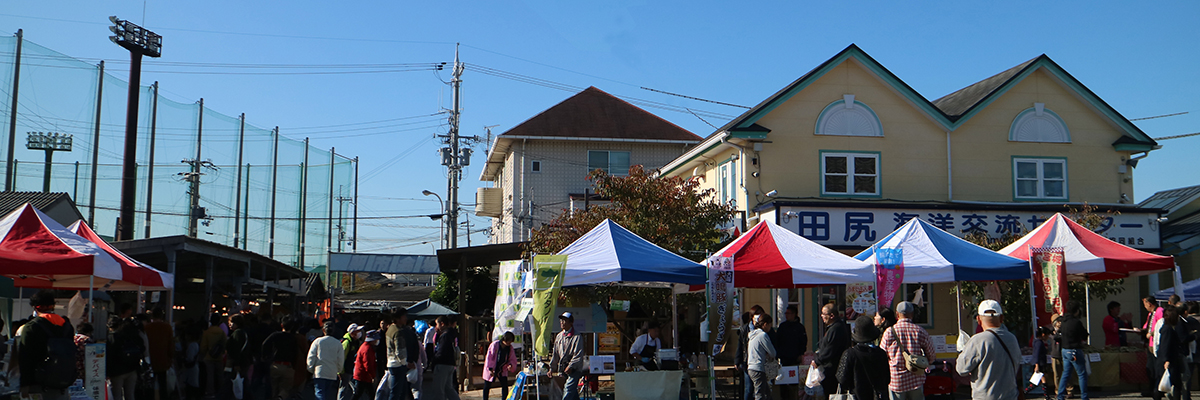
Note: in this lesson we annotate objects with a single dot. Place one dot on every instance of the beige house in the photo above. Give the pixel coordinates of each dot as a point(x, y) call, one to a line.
point(848, 152)
point(538, 168)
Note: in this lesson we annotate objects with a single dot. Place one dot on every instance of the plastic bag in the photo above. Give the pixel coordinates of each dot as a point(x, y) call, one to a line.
point(385, 386)
point(413, 375)
point(815, 376)
point(237, 386)
point(1164, 384)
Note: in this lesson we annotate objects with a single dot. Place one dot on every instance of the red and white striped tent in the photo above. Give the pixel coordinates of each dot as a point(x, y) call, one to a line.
point(1088, 254)
point(135, 275)
point(770, 256)
point(37, 252)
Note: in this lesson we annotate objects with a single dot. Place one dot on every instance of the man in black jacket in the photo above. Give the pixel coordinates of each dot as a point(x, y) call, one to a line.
point(829, 350)
point(791, 339)
point(1072, 336)
point(445, 353)
point(46, 361)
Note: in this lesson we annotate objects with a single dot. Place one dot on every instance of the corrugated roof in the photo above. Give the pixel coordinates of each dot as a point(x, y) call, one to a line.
point(958, 103)
point(594, 113)
point(10, 201)
point(1171, 200)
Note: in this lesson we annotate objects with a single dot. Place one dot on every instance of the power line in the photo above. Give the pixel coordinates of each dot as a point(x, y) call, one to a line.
point(1178, 136)
point(1159, 116)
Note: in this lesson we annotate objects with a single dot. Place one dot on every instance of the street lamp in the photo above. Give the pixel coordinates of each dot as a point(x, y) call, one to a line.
point(140, 42)
point(438, 216)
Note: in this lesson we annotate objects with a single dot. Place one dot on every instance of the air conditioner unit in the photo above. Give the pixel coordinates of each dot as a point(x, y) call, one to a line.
point(489, 202)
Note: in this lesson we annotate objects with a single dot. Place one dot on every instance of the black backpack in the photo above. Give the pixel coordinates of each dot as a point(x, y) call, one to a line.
point(58, 370)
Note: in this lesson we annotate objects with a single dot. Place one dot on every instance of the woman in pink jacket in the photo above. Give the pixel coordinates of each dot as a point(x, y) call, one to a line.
point(500, 362)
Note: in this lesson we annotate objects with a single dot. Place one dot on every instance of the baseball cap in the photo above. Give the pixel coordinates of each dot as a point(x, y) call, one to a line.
point(990, 307)
point(567, 315)
point(906, 308)
point(371, 336)
point(354, 327)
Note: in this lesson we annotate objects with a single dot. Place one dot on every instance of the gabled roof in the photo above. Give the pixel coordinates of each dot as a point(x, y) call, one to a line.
point(956, 104)
point(950, 111)
point(1173, 199)
point(590, 115)
point(10, 201)
point(594, 113)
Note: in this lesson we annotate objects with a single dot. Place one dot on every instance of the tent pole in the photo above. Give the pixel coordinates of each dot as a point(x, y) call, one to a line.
point(674, 319)
point(958, 297)
point(1087, 295)
point(92, 299)
point(1032, 290)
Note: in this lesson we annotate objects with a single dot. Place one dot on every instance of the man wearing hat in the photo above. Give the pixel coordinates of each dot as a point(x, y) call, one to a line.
point(47, 351)
point(992, 357)
point(863, 370)
point(350, 344)
point(567, 358)
point(905, 336)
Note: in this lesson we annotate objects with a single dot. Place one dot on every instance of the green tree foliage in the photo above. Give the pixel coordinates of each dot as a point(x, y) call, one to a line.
point(672, 212)
point(481, 291)
point(1015, 294)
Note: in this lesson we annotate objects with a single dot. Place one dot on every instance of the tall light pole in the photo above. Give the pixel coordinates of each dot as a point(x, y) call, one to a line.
point(441, 216)
point(140, 42)
point(50, 143)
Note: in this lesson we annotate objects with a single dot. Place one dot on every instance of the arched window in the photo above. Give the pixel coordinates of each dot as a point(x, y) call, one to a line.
point(848, 117)
point(1039, 124)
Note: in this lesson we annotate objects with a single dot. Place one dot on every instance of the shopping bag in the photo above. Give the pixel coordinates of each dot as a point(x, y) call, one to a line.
point(1164, 384)
point(237, 386)
point(413, 375)
point(814, 377)
point(841, 396)
point(789, 375)
point(385, 385)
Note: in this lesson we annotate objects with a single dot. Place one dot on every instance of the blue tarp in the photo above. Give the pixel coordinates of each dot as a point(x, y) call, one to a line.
point(932, 255)
point(1191, 291)
point(610, 253)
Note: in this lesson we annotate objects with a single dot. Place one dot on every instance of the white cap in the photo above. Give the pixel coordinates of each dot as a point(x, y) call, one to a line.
point(567, 315)
point(354, 327)
point(990, 308)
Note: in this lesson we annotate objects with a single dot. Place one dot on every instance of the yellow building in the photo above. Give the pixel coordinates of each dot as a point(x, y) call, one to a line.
point(848, 152)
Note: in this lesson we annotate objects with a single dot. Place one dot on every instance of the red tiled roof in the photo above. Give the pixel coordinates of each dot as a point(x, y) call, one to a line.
point(594, 113)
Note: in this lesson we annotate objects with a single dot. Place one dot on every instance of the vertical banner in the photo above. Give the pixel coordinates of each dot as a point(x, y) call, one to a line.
point(94, 371)
point(548, 281)
point(508, 302)
point(720, 301)
point(1050, 274)
point(889, 274)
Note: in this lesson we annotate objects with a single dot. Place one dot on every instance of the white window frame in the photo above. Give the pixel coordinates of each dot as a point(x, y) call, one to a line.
point(1041, 179)
point(608, 164)
point(535, 166)
point(850, 173)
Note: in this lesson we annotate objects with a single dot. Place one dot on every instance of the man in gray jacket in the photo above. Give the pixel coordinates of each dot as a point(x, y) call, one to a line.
point(992, 357)
point(567, 358)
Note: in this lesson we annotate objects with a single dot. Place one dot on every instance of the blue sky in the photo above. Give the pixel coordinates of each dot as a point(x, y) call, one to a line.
point(1139, 57)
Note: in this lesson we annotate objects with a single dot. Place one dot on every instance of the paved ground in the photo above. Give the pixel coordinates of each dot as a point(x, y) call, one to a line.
point(478, 395)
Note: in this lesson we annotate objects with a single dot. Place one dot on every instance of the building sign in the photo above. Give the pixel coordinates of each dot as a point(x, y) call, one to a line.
point(847, 226)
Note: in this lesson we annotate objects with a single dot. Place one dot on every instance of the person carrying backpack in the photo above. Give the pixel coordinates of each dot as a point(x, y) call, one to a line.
point(125, 358)
point(47, 351)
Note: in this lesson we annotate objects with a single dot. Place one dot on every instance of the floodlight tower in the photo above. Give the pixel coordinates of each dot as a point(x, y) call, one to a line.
point(50, 143)
point(140, 42)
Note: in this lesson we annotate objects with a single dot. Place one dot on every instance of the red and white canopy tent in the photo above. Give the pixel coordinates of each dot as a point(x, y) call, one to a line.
point(1088, 255)
point(770, 256)
point(37, 252)
point(135, 275)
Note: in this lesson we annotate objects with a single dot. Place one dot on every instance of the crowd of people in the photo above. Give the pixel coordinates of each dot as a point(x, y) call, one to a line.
point(244, 355)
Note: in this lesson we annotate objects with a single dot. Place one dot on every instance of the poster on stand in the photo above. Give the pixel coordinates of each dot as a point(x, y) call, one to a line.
point(509, 293)
point(720, 301)
point(548, 282)
point(94, 371)
point(860, 300)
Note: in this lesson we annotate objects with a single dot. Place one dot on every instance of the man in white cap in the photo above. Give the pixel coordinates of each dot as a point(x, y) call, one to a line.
point(992, 357)
point(567, 358)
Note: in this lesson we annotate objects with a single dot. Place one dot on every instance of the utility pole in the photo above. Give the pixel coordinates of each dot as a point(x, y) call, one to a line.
point(195, 213)
point(455, 157)
point(140, 42)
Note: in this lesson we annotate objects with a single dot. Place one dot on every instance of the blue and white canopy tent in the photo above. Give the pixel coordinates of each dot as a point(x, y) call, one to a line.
point(932, 255)
point(609, 253)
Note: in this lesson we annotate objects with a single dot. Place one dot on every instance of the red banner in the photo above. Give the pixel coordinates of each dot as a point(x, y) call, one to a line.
point(889, 274)
point(1050, 278)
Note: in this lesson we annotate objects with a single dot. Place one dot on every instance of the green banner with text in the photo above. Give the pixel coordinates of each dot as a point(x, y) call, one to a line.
point(548, 280)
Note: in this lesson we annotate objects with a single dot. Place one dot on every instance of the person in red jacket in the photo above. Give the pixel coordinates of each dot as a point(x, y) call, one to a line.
point(364, 365)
